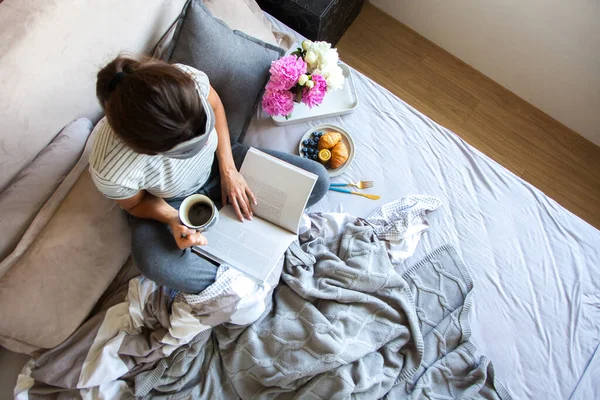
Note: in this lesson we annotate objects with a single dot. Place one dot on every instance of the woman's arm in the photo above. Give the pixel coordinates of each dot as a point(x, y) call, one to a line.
point(233, 186)
point(146, 206)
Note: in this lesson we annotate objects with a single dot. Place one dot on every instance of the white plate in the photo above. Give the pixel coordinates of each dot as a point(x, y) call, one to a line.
point(346, 139)
point(336, 102)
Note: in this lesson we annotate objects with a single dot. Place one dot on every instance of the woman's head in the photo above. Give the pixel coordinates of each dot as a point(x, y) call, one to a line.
point(152, 106)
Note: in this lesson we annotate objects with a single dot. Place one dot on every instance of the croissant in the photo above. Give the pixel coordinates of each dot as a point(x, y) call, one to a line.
point(339, 155)
point(329, 140)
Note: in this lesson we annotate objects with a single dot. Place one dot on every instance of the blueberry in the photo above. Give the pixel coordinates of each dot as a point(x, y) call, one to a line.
point(314, 157)
point(313, 151)
point(306, 142)
point(305, 150)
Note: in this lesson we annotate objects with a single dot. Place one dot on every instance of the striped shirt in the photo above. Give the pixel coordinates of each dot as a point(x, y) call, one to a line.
point(119, 172)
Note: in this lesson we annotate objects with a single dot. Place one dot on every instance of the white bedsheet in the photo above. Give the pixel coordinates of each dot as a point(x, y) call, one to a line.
point(536, 266)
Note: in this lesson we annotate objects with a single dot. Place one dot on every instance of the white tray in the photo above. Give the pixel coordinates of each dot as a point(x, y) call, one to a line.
point(346, 138)
point(336, 102)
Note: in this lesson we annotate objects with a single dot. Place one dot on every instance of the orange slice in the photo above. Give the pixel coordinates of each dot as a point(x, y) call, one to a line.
point(324, 156)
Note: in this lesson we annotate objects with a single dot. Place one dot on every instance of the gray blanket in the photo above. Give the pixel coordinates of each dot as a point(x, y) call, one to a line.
point(345, 324)
point(342, 323)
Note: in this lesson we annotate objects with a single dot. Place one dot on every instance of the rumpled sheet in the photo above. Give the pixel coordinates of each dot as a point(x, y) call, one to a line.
point(341, 322)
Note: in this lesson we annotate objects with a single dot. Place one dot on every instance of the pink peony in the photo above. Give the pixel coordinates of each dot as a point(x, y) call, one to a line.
point(314, 96)
point(285, 72)
point(278, 102)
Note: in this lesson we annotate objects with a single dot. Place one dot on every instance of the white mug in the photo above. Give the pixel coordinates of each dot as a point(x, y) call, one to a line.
point(198, 212)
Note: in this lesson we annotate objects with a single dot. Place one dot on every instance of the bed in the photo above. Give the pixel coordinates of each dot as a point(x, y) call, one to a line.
point(535, 265)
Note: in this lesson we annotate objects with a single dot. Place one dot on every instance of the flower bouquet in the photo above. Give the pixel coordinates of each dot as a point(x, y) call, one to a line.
point(304, 76)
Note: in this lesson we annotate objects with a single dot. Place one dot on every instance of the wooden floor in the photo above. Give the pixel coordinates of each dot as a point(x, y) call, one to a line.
point(522, 138)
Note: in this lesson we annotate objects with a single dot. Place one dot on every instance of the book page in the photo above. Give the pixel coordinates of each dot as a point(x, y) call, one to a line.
point(252, 247)
point(281, 189)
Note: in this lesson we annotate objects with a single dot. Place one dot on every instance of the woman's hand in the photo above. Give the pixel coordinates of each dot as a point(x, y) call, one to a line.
point(184, 236)
point(235, 191)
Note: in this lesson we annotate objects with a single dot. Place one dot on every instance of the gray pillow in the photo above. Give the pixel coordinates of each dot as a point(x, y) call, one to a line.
point(236, 64)
point(29, 190)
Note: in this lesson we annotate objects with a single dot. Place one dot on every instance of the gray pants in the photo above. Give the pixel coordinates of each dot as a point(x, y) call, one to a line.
point(153, 247)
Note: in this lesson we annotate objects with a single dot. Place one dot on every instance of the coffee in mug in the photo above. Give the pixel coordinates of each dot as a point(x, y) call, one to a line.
point(198, 212)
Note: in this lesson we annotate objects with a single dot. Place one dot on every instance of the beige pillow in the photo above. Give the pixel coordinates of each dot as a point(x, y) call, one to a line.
point(242, 15)
point(66, 259)
point(52, 287)
point(247, 16)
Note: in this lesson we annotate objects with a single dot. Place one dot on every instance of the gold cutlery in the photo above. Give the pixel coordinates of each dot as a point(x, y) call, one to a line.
point(358, 185)
point(368, 196)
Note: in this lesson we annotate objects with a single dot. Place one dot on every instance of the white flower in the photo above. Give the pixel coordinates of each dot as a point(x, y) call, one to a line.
point(324, 56)
point(330, 57)
point(303, 79)
point(335, 78)
point(306, 44)
point(320, 47)
point(310, 57)
point(310, 84)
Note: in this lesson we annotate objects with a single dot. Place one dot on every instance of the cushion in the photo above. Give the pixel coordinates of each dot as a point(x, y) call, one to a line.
point(236, 64)
point(242, 15)
point(29, 190)
point(245, 16)
point(50, 53)
point(68, 256)
point(52, 287)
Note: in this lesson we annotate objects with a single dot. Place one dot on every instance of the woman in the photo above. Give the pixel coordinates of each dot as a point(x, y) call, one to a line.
point(164, 126)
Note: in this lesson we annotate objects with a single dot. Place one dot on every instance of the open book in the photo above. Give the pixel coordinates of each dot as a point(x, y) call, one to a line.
point(254, 247)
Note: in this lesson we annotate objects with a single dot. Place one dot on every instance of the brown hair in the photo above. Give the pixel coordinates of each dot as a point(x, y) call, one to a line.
point(152, 105)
